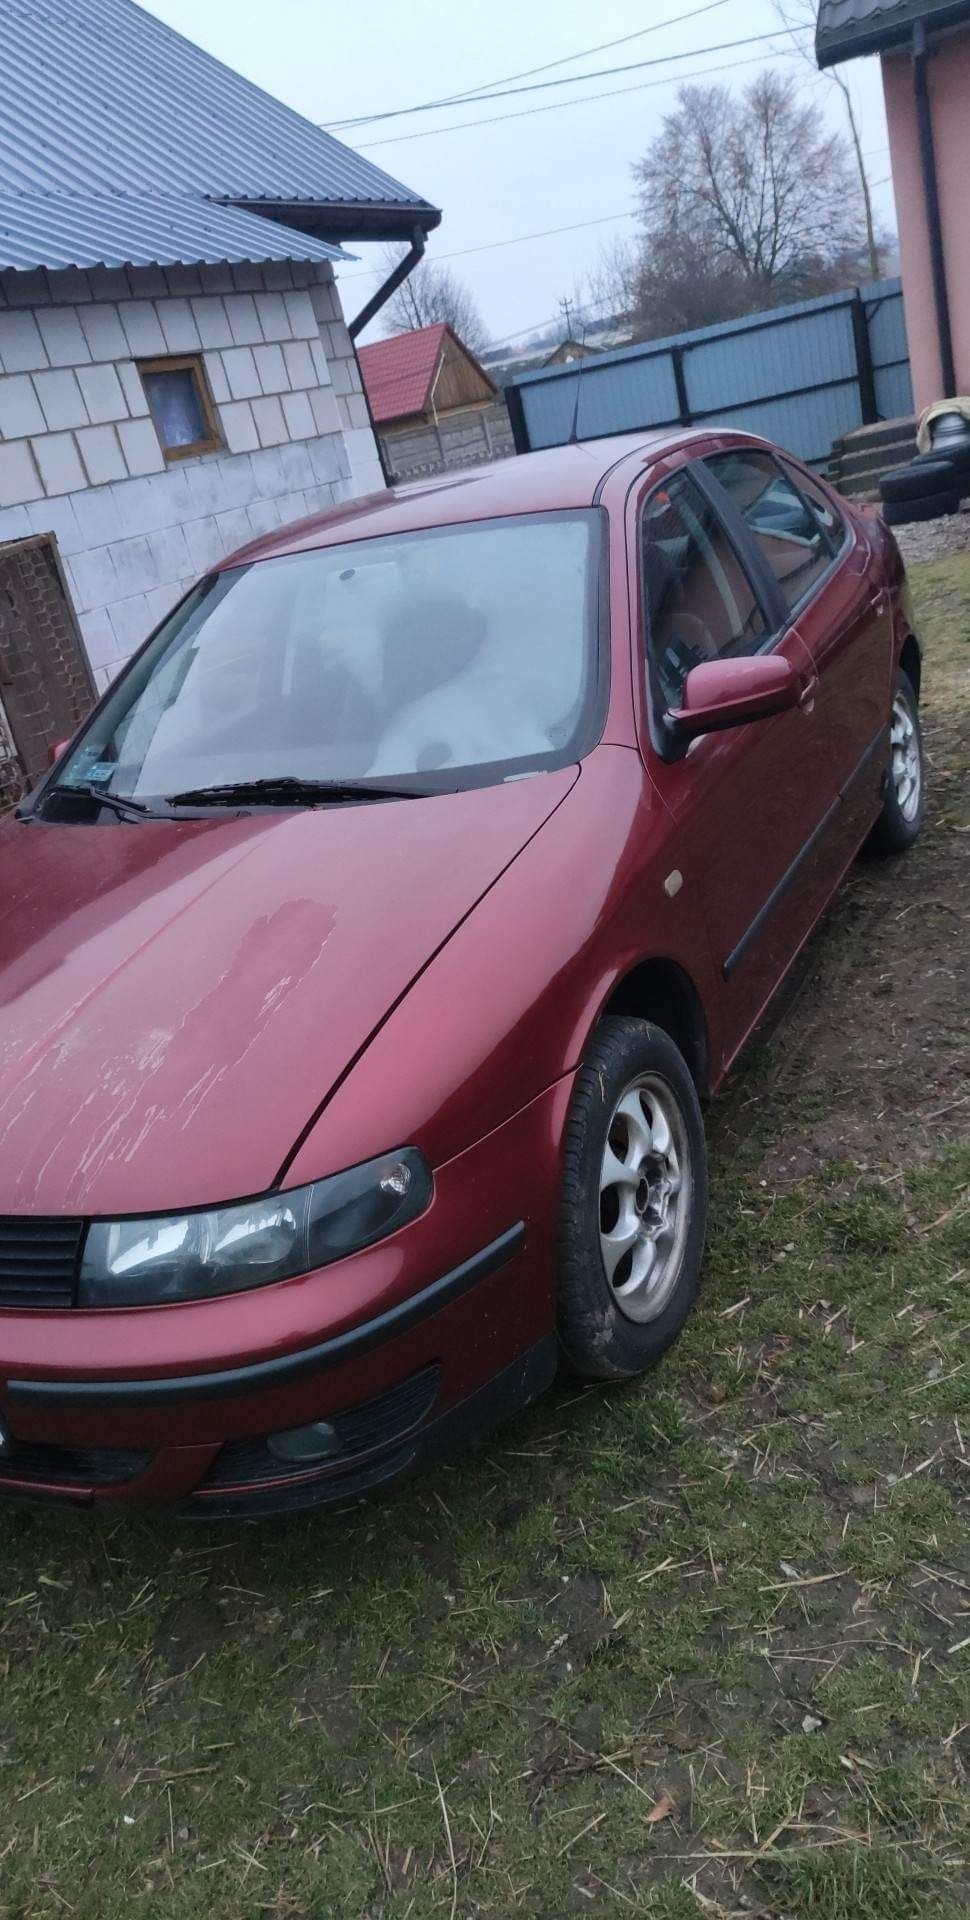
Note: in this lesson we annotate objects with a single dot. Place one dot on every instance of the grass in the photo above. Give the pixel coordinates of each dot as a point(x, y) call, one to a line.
point(693, 1648)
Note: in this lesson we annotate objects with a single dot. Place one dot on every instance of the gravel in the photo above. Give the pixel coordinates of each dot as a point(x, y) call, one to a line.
point(931, 539)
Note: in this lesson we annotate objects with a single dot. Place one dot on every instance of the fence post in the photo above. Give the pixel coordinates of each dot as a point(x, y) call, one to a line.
point(865, 372)
point(680, 385)
point(520, 432)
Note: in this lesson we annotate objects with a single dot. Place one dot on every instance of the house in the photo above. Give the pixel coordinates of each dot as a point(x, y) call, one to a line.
point(432, 403)
point(567, 351)
point(924, 47)
point(502, 364)
point(176, 372)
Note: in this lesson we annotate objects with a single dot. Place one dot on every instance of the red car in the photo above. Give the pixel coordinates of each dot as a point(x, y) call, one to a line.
point(366, 958)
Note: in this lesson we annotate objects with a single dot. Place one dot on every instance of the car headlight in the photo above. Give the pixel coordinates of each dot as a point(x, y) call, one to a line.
point(193, 1256)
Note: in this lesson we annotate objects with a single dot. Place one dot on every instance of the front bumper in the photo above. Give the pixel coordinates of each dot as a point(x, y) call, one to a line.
point(401, 1347)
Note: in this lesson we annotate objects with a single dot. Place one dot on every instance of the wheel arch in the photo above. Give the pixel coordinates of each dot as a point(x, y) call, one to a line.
point(660, 990)
point(911, 661)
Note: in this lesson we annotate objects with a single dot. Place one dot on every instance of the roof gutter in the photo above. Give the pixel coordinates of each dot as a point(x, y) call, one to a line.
point(934, 227)
point(835, 44)
point(394, 279)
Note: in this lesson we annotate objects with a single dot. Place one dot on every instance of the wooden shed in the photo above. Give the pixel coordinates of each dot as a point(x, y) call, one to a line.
point(432, 404)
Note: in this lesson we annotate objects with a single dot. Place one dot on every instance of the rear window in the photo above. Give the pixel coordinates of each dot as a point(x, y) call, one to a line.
point(792, 539)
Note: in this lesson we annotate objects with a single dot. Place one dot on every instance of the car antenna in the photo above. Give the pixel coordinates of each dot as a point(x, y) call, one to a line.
point(574, 429)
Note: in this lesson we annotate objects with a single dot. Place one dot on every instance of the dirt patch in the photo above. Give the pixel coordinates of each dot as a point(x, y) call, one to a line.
point(188, 1633)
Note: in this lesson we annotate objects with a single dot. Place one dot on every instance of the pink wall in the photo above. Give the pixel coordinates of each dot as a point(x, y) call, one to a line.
point(948, 80)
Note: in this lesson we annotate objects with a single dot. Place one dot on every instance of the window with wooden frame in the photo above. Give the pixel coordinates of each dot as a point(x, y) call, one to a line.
point(181, 405)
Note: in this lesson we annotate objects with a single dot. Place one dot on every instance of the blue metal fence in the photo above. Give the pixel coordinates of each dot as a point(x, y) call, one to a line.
point(801, 375)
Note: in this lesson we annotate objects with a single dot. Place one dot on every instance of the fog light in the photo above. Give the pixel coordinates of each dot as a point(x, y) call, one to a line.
point(302, 1444)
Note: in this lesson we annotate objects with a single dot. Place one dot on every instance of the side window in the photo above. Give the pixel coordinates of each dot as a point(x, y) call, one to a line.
point(698, 603)
point(824, 509)
point(793, 542)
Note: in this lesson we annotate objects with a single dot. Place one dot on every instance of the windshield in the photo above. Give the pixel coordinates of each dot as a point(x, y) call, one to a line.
point(450, 656)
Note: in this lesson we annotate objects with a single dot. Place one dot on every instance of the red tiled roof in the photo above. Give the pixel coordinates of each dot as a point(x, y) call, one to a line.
point(398, 373)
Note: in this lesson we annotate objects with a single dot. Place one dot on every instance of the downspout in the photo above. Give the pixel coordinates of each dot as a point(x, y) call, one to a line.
point(411, 259)
point(391, 284)
point(931, 196)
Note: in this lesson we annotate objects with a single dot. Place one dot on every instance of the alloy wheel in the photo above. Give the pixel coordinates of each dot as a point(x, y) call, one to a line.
point(645, 1197)
point(905, 765)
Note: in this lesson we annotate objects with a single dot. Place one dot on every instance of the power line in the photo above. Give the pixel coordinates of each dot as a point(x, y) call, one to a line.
point(512, 240)
point(544, 233)
point(600, 73)
point(528, 73)
point(589, 306)
point(557, 106)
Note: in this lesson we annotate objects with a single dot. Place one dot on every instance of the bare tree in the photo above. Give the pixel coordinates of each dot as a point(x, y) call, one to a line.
point(430, 294)
point(795, 14)
point(681, 284)
point(749, 189)
point(608, 289)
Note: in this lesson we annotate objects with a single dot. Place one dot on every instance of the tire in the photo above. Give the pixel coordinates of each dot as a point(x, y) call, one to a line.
point(928, 506)
point(921, 477)
point(900, 822)
point(956, 457)
point(607, 1334)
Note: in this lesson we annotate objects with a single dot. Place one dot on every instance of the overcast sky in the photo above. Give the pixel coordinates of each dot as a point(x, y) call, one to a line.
point(515, 176)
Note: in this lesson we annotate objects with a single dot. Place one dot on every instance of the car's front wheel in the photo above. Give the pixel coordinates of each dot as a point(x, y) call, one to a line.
point(904, 798)
point(634, 1201)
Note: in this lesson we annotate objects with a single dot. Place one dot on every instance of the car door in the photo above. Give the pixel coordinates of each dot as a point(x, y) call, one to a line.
point(747, 801)
point(841, 614)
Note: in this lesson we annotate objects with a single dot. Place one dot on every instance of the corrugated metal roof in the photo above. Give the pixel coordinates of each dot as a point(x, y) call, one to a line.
point(99, 98)
point(850, 27)
point(61, 230)
point(398, 373)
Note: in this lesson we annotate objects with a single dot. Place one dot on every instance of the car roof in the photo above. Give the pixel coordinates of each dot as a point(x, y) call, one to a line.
point(558, 477)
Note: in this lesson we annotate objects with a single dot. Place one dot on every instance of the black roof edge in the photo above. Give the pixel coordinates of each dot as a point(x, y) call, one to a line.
point(355, 220)
point(851, 43)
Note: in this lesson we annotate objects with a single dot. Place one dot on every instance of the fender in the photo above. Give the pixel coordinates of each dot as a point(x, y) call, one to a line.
point(500, 1014)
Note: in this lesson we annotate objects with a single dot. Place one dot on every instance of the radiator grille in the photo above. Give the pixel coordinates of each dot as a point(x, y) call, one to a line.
point(38, 1261)
point(35, 1462)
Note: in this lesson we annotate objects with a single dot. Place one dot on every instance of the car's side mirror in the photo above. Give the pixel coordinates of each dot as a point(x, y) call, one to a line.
point(54, 752)
point(731, 693)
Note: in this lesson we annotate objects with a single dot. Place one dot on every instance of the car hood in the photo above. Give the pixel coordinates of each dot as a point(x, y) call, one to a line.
point(178, 999)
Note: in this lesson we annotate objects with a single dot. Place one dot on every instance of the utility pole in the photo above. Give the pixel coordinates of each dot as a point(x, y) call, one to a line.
point(565, 308)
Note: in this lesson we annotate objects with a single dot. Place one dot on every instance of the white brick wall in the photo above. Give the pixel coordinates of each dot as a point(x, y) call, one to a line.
point(79, 455)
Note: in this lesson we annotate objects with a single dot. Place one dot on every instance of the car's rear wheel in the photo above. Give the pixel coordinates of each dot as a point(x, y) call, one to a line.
point(904, 798)
point(634, 1201)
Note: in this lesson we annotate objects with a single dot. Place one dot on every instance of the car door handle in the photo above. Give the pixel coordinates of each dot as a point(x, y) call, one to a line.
point(878, 601)
point(806, 698)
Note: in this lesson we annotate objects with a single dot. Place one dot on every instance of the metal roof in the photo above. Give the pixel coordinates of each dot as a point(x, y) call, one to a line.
point(110, 122)
point(399, 373)
point(61, 230)
point(847, 28)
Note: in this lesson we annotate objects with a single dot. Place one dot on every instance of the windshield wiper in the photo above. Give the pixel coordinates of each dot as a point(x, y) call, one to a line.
point(120, 803)
point(286, 789)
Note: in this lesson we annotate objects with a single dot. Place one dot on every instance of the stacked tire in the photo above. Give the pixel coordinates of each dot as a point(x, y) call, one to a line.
point(925, 490)
point(935, 482)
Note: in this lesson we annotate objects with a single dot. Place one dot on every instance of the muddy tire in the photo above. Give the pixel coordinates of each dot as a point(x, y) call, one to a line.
point(904, 800)
point(634, 1202)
